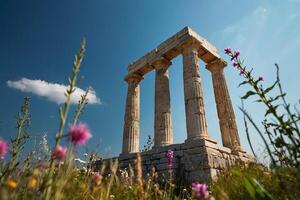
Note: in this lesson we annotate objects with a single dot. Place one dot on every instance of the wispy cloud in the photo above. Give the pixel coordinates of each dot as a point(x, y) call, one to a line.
point(267, 34)
point(263, 31)
point(247, 31)
point(51, 91)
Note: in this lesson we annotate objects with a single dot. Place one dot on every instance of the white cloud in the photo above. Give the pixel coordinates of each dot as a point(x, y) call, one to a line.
point(263, 32)
point(51, 91)
point(247, 31)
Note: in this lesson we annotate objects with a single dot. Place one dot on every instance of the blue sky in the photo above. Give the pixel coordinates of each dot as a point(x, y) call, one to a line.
point(39, 39)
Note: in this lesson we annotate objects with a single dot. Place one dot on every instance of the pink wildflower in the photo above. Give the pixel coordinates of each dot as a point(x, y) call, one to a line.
point(235, 64)
point(260, 78)
point(97, 177)
point(170, 156)
point(59, 153)
point(79, 134)
point(241, 72)
point(227, 50)
point(235, 55)
point(201, 191)
point(3, 148)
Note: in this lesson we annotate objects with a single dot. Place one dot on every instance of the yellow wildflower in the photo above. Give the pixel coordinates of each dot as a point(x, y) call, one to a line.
point(32, 183)
point(36, 172)
point(11, 184)
point(95, 189)
point(82, 186)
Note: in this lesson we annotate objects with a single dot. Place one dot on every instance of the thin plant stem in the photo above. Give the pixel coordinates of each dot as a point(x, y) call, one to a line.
point(81, 105)
point(63, 112)
point(260, 133)
point(285, 102)
point(247, 131)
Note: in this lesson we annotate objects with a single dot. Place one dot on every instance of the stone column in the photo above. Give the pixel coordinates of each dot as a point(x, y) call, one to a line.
point(193, 95)
point(132, 115)
point(229, 132)
point(163, 131)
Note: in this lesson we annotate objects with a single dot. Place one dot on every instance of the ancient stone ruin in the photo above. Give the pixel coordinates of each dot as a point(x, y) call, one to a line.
point(199, 158)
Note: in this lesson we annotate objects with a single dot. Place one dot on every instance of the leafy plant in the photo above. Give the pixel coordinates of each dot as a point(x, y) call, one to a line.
point(280, 126)
point(18, 143)
point(149, 144)
point(281, 123)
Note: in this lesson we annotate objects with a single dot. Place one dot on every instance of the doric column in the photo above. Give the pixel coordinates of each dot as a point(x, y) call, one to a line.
point(132, 115)
point(193, 95)
point(230, 136)
point(163, 131)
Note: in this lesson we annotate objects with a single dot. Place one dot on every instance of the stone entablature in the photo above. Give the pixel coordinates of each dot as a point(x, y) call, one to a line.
point(199, 157)
point(171, 48)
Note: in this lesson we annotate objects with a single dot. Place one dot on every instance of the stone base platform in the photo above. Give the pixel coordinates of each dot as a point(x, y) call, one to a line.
point(198, 160)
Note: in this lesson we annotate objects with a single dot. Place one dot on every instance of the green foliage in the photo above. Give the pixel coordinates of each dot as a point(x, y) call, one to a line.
point(18, 143)
point(149, 144)
point(255, 181)
point(47, 186)
point(281, 136)
point(281, 124)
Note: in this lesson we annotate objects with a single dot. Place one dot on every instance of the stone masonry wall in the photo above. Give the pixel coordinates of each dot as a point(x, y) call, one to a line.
point(199, 160)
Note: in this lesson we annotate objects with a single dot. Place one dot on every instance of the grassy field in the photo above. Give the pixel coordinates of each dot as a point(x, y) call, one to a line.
point(54, 174)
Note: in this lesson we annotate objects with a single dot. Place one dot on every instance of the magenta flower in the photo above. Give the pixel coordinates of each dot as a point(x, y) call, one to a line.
point(59, 153)
point(3, 148)
point(97, 177)
point(200, 190)
point(79, 134)
point(170, 156)
point(235, 55)
point(235, 64)
point(260, 78)
point(227, 50)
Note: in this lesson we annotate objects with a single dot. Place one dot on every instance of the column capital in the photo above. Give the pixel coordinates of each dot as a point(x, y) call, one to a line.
point(133, 78)
point(190, 45)
point(161, 63)
point(216, 64)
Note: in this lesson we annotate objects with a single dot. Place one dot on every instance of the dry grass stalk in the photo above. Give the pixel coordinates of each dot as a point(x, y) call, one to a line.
point(131, 175)
point(113, 169)
point(139, 176)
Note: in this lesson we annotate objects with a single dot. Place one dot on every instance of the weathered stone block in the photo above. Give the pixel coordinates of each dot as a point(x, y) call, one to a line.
point(196, 150)
point(165, 166)
point(158, 156)
point(203, 176)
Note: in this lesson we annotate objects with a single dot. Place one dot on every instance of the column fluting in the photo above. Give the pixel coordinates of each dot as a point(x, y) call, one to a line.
point(163, 130)
point(229, 131)
point(132, 115)
point(193, 95)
